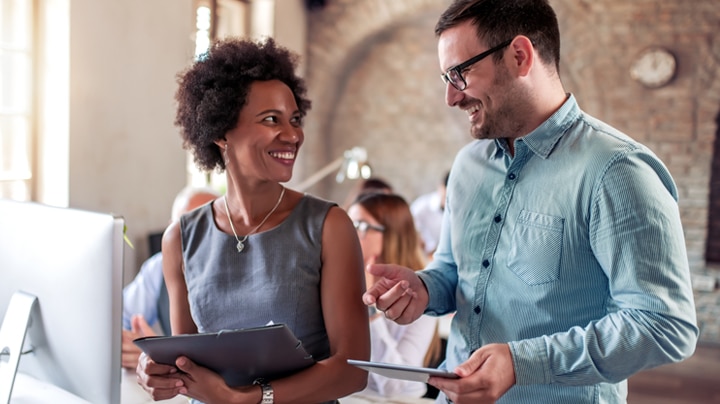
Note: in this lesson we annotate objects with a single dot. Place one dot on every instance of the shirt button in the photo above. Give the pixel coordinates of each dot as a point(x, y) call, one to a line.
point(477, 309)
point(498, 218)
point(511, 176)
point(486, 263)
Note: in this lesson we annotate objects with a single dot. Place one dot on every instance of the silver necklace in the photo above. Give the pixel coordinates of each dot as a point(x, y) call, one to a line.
point(241, 242)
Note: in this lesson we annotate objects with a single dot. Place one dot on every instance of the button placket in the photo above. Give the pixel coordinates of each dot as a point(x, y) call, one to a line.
point(493, 235)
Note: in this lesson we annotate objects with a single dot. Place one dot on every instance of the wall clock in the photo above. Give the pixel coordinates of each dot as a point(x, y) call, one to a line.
point(654, 67)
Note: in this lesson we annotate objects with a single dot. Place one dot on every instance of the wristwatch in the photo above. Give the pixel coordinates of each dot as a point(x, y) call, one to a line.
point(268, 396)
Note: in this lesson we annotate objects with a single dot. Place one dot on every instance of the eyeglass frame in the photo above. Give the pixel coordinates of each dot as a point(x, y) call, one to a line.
point(458, 69)
point(362, 226)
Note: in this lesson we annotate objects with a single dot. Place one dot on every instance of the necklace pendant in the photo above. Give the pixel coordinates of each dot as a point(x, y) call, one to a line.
point(241, 243)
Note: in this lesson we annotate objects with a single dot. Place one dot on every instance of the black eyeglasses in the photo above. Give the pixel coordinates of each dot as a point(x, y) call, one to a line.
point(454, 74)
point(362, 227)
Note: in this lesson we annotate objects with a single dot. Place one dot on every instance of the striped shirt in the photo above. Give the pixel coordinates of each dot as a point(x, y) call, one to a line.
point(572, 252)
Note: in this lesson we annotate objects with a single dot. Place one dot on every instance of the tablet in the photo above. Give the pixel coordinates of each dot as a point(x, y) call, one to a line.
point(404, 372)
point(239, 356)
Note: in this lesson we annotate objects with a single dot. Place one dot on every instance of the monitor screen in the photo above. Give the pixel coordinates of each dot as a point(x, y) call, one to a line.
point(72, 261)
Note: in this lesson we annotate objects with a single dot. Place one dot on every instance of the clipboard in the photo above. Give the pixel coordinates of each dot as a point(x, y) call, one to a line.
point(239, 356)
point(404, 372)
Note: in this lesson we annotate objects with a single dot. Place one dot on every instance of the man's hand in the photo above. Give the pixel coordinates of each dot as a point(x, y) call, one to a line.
point(484, 378)
point(130, 351)
point(400, 293)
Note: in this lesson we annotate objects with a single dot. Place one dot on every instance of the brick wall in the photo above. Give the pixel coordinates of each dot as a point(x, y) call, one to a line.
point(374, 79)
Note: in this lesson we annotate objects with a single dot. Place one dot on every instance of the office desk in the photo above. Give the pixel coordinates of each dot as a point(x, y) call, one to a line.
point(29, 390)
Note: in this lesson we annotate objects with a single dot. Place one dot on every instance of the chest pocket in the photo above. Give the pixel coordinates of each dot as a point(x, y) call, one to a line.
point(536, 247)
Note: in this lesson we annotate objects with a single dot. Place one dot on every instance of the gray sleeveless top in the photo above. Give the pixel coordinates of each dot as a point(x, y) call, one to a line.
point(276, 278)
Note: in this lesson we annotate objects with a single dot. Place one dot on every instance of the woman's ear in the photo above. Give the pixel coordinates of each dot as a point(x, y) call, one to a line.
point(221, 143)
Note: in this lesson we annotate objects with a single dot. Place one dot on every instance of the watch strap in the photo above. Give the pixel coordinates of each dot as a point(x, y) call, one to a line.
point(268, 395)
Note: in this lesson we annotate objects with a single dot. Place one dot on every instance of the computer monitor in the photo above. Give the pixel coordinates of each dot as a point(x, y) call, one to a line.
point(72, 261)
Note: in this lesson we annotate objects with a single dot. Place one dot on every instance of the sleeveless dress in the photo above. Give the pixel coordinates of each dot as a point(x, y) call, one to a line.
point(276, 278)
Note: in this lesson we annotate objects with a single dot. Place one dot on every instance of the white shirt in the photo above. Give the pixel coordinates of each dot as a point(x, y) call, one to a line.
point(399, 344)
point(427, 212)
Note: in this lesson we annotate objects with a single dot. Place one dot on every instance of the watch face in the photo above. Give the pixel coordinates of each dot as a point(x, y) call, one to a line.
point(654, 67)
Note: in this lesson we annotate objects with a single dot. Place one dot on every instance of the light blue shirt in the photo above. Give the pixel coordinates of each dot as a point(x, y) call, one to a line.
point(142, 294)
point(572, 252)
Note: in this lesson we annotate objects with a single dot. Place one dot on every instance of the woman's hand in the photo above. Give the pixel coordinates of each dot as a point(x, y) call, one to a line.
point(162, 382)
point(207, 386)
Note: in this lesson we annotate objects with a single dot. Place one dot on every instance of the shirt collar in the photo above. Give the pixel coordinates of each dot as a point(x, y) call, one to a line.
point(542, 140)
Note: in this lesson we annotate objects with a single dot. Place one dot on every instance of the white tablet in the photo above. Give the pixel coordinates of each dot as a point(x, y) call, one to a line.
point(404, 372)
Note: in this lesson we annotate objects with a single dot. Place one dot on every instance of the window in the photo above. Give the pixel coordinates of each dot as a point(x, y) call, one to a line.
point(231, 19)
point(17, 67)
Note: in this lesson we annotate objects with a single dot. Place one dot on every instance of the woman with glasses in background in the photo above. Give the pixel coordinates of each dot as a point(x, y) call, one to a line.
point(387, 235)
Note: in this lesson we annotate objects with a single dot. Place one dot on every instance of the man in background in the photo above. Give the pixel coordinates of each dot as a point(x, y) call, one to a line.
point(427, 210)
point(145, 300)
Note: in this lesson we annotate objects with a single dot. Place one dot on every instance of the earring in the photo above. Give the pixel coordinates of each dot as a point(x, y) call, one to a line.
point(227, 160)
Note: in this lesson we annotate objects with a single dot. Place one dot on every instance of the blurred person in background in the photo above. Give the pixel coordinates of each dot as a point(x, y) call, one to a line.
point(372, 184)
point(428, 210)
point(387, 235)
point(145, 301)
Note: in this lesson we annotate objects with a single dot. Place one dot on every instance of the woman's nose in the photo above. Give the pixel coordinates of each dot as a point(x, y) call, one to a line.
point(291, 134)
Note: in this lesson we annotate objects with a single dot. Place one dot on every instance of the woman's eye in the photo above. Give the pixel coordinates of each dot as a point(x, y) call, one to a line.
point(296, 120)
point(271, 118)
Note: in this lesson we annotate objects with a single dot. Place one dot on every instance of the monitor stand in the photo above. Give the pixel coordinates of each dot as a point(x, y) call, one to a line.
point(12, 337)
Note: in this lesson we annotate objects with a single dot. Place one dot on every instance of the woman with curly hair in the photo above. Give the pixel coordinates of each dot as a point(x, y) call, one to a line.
point(262, 252)
point(387, 235)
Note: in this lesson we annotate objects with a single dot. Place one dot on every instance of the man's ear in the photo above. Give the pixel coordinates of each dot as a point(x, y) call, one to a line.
point(523, 55)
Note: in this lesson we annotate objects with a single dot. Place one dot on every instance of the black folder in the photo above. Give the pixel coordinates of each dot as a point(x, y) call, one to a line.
point(239, 356)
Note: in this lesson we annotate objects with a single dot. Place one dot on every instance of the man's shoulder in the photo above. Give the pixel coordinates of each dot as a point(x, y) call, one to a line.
point(155, 259)
point(150, 275)
point(152, 265)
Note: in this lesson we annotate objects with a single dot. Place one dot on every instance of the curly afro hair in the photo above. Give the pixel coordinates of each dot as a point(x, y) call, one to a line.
point(214, 89)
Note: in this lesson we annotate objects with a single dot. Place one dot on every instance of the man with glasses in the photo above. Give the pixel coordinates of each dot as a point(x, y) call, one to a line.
point(561, 249)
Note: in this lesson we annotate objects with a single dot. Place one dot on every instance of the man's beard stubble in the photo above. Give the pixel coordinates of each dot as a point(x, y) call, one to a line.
point(505, 120)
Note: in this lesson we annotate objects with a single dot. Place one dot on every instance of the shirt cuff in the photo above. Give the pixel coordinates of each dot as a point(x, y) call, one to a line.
point(530, 361)
point(435, 307)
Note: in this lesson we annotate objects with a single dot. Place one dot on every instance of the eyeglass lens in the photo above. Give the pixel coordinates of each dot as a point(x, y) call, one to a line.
point(363, 226)
point(454, 75)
